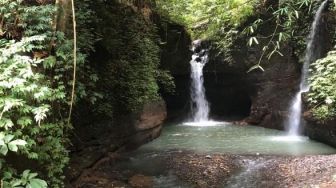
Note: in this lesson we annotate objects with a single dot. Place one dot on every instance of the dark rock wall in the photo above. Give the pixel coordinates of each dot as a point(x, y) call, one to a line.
point(145, 125)
point(228, 95)
point(321, 131)
point(261, 97)
point(126, 60)
point(95, 142)
point(175, 57)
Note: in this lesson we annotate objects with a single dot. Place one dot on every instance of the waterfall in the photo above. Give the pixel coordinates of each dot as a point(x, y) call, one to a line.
point(199, 104)
point(313, 52)
point(294, 119)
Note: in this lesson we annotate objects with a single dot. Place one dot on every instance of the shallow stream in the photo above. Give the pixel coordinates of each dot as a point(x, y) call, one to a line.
point(223, 138)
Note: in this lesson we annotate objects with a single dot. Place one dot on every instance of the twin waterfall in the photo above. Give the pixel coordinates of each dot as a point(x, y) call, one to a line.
point(313, 52)
point(199, 104)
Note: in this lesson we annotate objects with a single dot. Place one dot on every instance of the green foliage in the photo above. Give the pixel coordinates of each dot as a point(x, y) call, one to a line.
point(291, 28)
point(35, 74)
point(35, 80)
point(7, 143)
point(130, 49)
point(85, 18)
point(322, 94)
point(268, 27)
point(27, 179)
point(87, 77)
point(215, 20)
point(26, 101)
point(209, 17)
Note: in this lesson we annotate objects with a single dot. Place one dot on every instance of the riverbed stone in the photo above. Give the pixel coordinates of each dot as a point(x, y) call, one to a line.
point(201, 184)
point(208, 157)
point(141, 181)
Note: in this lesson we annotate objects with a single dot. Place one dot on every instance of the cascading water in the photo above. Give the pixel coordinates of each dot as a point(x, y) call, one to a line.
point(200, 106)
point(313, 52)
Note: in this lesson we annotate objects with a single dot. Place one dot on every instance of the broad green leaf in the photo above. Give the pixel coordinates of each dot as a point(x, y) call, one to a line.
point(3, 150)
point(25, 121)
point(12, 147)
point(25, 174)
point(32, 175)
point(2, 135)
point(19, 142)
point(16, 184)
point(8, 138)
point(6, 123)
point(38, 183)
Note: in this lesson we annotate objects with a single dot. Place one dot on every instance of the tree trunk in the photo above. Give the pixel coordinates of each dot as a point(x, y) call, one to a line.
point(63, 15)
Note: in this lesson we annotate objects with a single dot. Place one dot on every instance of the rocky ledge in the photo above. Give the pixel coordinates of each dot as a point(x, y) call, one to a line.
point(323, 131)
point(94, 144)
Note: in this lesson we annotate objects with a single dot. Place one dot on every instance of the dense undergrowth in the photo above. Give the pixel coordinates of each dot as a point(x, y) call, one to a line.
point(35, 75)
point(215, 20)
point(129, 49)
point(322, 94)
point(36, 67)
point(268, 26)
point(32, 95)
point(119, 66)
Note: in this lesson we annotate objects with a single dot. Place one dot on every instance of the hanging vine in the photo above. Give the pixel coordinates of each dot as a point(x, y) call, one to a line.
point(74, 59)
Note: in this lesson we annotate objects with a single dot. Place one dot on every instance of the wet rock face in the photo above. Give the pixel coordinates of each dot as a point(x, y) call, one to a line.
point(228, 95)
point(175, 57)
point(260, 98)
point(135, 128)
point(201, 46)
point(144, 125)
point(175, 49)
point(129, 132)
point(153, 114)
point(321, 131)
point(272, 92)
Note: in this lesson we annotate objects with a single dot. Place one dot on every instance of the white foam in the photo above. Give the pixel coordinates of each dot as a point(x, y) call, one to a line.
point(289, 138)
point(205, 124)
